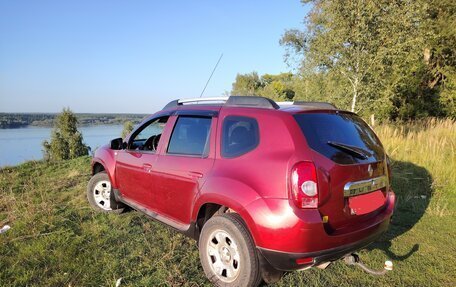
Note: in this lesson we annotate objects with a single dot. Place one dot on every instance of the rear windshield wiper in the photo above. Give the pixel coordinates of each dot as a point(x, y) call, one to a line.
point(353, 150)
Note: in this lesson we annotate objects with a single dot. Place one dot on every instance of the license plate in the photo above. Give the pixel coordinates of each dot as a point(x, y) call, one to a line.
point(366, 203)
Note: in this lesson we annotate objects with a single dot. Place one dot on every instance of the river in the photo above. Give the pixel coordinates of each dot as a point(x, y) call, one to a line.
point(23, 144)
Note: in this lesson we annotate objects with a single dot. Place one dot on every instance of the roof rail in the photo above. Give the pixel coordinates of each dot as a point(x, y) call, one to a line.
point(180, 102)
point(203, 100)
point(237, 101)
point(311, 105)
point(252, 101)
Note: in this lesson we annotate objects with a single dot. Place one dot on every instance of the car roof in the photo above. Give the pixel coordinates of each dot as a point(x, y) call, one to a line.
point(216, 103)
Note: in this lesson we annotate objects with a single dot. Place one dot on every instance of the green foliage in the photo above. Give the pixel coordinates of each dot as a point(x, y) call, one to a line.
point(440, 54)
point(373, 46)
point(66, 141)
point(277, 87)
point(246, 85)
point(395, 59)
point(127, 128)
point(17, 120)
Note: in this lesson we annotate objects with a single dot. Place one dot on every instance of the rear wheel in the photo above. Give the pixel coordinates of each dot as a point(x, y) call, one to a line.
point(227, 252)
point(99, 194)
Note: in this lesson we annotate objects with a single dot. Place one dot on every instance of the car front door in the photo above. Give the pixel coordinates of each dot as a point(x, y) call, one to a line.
point(185, 164)
point(135, 174)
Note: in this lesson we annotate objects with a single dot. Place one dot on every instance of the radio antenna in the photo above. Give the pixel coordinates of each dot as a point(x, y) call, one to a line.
point(210, 77)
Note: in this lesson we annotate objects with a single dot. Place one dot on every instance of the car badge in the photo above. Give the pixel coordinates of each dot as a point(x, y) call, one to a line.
point(370, 170)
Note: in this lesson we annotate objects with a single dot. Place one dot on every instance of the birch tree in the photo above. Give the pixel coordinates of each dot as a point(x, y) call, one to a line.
point(367, 42)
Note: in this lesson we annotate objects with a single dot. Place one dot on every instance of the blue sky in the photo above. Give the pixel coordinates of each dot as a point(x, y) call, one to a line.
point(133, 56)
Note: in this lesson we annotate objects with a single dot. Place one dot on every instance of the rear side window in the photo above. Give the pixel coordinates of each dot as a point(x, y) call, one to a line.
point(342, 137)
point(239, 136)
point(190, 136)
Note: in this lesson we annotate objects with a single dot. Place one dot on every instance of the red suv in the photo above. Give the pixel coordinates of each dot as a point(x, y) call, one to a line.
point(264, 187)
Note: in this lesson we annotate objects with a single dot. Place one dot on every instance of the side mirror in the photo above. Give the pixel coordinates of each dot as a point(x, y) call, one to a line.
point(117, 144)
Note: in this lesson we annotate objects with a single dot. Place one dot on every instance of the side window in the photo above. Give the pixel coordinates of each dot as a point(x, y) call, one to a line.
point(148, 136)
point(239, 136)
point(190, 136)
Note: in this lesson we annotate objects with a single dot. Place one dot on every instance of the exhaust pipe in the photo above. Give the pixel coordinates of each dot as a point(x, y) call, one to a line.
point(353, 259)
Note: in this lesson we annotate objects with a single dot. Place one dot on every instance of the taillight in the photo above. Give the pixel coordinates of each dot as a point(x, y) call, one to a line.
point(304, 188)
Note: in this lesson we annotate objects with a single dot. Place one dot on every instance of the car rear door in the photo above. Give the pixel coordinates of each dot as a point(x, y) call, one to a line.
point(185, 163)
point(351, 167)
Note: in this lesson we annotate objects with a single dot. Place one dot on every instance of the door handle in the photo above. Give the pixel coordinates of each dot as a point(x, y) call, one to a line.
point(195, 174)
point(147, 167)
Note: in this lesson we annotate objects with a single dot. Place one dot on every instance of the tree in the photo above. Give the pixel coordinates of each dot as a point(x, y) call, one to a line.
point(127, 128)
point(396, 59)
point(440, 52)
point(246, 85)
point(373, 45)
point(277, 87)
point(66, 141)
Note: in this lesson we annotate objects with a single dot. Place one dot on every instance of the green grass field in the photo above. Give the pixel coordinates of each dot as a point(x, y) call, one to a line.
point(57, 240)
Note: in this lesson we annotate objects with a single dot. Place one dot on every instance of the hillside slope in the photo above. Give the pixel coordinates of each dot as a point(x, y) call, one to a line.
point(57, 240)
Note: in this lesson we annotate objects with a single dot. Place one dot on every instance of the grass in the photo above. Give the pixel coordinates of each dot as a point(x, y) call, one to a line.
point(57, 240)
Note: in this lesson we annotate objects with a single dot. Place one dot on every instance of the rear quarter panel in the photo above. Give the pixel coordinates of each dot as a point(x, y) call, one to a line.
point(264, 169)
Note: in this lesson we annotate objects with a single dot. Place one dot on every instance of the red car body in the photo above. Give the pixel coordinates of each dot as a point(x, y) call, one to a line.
point(177, 189)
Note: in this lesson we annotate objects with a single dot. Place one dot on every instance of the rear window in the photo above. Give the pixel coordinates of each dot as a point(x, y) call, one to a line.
point(342, 137)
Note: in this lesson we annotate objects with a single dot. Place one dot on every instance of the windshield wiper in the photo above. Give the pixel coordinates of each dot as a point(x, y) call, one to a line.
point(353, 150)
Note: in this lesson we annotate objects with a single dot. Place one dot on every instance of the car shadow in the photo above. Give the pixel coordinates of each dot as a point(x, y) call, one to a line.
point(413, 187)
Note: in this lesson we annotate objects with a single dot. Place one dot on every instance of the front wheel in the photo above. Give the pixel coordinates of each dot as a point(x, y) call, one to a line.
point(227, 252)
point(99, 194)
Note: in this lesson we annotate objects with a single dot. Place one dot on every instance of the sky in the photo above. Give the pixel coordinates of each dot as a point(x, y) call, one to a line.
point(134, 56)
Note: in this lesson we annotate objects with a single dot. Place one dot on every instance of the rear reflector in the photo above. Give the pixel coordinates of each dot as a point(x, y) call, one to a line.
point(307, 260)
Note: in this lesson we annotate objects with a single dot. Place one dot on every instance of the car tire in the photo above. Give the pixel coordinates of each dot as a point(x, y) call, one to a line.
point(100, 196)
point(227, 252)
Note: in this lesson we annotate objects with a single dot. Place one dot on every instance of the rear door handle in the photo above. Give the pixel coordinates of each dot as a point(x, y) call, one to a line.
point(195, 174)
point(147, 167)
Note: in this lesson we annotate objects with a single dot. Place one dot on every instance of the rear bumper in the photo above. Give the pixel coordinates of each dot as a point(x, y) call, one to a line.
point(284, 239)
point(286, 261)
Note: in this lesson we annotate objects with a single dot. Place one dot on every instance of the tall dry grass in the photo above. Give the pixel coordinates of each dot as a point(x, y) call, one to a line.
point(430, 144)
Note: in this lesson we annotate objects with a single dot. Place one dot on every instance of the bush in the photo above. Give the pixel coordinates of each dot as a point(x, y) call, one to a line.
point(66, 141)
point(127, 128)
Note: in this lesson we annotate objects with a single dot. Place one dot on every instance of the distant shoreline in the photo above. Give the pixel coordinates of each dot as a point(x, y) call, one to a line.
point(24, 120)
point(51, 126)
